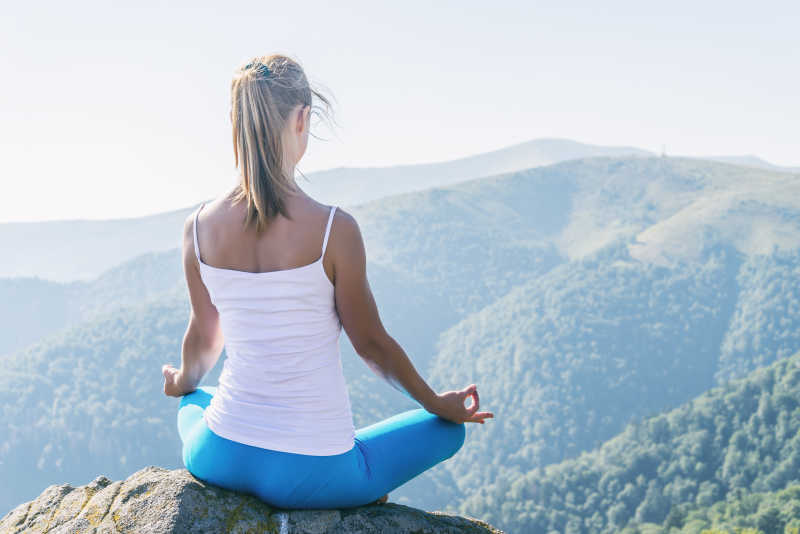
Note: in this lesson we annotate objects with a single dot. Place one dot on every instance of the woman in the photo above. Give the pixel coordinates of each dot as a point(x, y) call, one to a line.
point(274, 276)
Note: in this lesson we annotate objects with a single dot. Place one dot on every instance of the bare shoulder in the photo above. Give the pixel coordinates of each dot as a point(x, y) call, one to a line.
point(345, 221)
point(345, 231)
point(347, 254)
point(188, 227)
point(189, 222)
point(208, 208)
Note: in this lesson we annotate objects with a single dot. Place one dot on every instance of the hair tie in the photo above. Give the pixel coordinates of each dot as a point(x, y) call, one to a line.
point(260, 68)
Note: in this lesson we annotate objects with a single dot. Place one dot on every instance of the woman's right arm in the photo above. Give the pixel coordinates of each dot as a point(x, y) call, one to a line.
point(361, 321)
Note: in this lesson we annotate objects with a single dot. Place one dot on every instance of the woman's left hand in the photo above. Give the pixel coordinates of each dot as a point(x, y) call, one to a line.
point(173, 386)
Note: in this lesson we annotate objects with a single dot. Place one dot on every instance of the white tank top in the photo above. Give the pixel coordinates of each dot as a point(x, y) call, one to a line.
point(282, 385)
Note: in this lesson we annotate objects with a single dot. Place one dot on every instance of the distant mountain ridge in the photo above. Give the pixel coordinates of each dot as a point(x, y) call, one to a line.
point(351, 186)
point(749, 160)
point(82, 249)
point(31, 308)
point(70, 250)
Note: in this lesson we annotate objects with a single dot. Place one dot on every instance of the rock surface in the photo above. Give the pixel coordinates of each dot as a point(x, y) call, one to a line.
point(158, 500)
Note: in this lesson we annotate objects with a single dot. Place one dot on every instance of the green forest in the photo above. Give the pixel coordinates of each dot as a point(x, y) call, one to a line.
point(742, 512)
point(639, 352)
point(673, 467)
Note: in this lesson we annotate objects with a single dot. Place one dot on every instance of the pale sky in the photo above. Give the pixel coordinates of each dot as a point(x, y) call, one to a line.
point(110, 112)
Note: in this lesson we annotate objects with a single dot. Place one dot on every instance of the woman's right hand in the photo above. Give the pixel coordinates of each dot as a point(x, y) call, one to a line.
point(172, 381)
point(450, 405)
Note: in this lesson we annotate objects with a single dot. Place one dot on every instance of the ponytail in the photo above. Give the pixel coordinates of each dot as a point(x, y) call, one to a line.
point(263, 94)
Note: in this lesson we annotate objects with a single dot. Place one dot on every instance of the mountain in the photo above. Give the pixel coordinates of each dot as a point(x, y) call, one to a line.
point(755, 212)
point(727, 443)
point(753, 513)
point(32, 308)
point(108, 358)
point(567, 359)
point(546, 287)
point(83, 249)
point(749, 160)
point(563, 211)
point(763, 327)
point(351, 186)
point(71, 250)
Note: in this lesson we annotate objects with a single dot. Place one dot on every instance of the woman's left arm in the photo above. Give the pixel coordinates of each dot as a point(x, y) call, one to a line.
point(203, 341)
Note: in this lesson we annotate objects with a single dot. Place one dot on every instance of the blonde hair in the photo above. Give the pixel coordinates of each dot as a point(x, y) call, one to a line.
point(264, 92)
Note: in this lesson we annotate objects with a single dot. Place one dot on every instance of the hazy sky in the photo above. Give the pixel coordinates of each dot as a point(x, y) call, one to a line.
point(123, 111)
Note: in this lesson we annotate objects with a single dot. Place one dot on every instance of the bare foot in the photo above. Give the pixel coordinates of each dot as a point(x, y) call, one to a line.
point(381, 500)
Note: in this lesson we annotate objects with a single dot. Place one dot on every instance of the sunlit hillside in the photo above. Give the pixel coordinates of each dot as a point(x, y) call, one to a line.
point(579, 296)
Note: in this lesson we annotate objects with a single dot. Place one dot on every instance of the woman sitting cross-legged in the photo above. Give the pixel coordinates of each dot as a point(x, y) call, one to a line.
point(273, 276)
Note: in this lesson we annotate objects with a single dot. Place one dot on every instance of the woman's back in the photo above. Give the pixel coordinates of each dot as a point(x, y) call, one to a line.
point(282, 385)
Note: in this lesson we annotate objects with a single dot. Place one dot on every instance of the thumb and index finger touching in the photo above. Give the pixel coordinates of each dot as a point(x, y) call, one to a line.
point(472, 412)
point(471, 391)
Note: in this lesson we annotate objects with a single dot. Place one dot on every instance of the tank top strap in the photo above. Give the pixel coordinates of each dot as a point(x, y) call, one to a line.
point(328, 230)
point(194, 229)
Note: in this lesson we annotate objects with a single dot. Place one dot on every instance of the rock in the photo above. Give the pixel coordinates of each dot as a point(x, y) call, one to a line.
point(158, 500)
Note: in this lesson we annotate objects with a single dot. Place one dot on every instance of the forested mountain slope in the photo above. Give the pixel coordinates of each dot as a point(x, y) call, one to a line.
point(31, 308)
point(541, 286)
point(90, 376)
point(733, 440)
point(566, 360)
point(766, 323)
point(741, 513)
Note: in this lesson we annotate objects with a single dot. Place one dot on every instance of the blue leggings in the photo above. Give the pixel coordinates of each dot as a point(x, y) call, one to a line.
point(385, 455)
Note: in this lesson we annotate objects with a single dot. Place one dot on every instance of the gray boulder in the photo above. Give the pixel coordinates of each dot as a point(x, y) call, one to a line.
point(158, 500)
